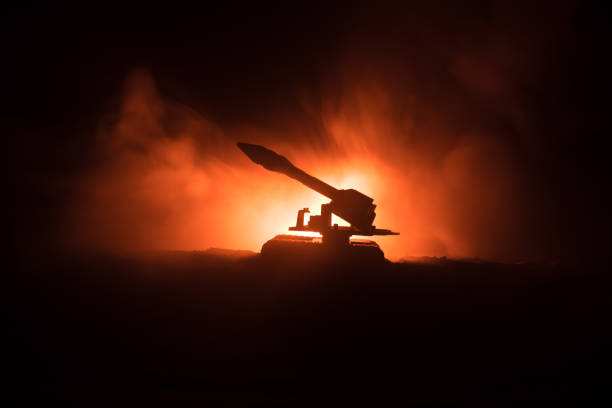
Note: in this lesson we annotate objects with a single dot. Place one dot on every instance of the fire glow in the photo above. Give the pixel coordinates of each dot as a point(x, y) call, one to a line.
point(172, 179)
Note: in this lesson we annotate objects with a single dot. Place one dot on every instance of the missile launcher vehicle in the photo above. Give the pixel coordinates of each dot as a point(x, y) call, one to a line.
point(351, 205)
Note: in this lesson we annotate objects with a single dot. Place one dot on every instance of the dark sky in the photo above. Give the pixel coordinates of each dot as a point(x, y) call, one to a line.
point(64, 68)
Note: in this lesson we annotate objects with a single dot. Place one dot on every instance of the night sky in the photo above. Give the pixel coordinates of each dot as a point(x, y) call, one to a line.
point(533, 77)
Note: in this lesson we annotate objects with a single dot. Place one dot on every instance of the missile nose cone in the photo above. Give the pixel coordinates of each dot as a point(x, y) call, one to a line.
point(251, 150)
point(265, 157)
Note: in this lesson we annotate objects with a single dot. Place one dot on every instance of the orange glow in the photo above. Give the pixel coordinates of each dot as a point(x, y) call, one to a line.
point(171, 179)
point(305, 234)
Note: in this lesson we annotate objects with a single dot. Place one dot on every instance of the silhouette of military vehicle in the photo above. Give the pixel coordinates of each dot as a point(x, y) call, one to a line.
point(351, 205)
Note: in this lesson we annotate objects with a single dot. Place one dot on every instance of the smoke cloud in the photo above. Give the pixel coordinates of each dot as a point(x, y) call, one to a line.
point(168, 178)
point(432, 120)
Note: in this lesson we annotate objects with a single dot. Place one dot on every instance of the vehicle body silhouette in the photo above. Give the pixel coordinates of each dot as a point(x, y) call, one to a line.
point(351, 205)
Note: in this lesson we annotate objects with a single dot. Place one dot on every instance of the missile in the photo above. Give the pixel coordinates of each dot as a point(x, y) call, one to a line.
point(351, 205)
point(266, 158)
point(273, 161)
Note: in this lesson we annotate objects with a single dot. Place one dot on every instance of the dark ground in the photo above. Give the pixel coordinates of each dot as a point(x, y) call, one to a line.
point(229, 328)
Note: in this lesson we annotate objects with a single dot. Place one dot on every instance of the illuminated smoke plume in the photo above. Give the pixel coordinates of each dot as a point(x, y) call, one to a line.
point(474, 128)
point(171, 179)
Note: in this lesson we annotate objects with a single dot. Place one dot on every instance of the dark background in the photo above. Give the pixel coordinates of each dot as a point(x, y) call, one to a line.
point(64, 69)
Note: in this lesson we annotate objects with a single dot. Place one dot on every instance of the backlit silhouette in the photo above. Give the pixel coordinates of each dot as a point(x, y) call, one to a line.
point(351, 205)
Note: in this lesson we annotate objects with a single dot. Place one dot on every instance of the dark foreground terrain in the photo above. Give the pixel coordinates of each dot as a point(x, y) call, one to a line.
point(231, 328)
